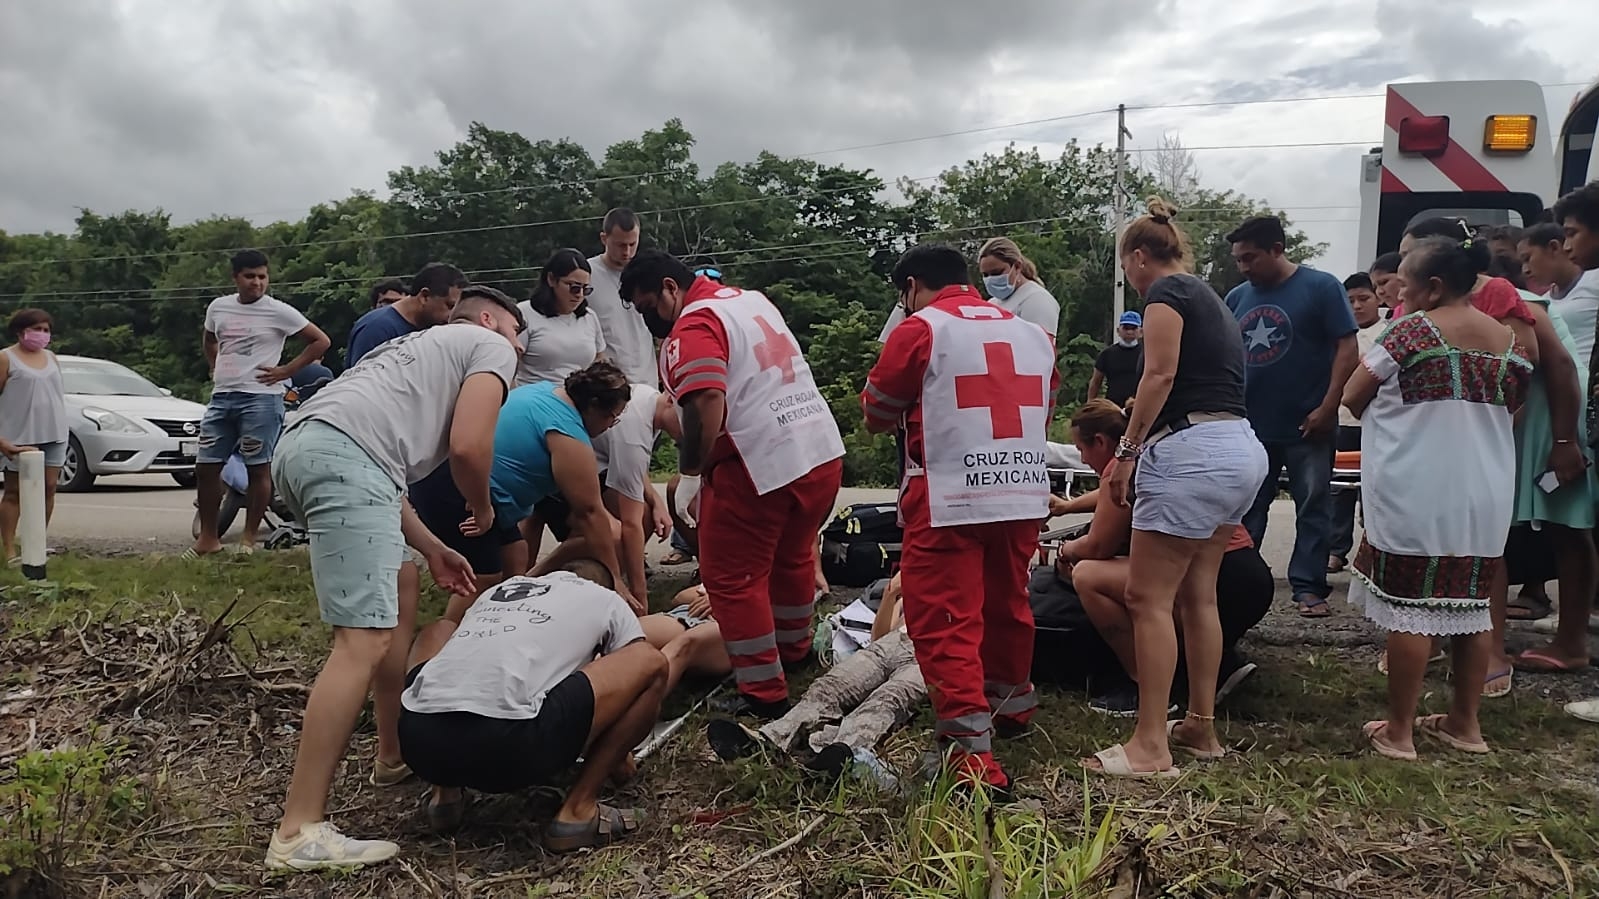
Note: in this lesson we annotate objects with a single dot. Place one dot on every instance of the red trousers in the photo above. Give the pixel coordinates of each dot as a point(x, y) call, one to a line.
point(967, 614)
point(758, 563)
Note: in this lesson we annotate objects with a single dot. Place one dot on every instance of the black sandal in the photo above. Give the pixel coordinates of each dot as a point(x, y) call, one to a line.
point(1528, 608)
point(608, 825)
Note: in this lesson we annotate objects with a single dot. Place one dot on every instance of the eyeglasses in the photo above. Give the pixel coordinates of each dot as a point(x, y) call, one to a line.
point(578, 288)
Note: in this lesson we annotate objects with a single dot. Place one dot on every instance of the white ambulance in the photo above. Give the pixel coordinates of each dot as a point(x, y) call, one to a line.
point(1480, 150)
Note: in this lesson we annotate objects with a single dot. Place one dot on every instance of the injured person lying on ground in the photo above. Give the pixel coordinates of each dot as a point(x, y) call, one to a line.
point(848, 709)
point(515, 696)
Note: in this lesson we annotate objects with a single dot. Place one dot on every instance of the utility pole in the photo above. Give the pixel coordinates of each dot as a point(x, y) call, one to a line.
point(1119, 283)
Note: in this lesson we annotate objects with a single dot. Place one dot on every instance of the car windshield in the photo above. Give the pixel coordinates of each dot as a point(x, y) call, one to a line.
point(105, 379)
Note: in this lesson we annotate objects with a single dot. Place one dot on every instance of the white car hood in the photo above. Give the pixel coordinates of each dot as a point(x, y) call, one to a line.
point(147, 407)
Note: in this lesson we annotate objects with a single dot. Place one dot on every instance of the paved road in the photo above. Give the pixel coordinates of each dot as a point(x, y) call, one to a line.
point(129, 513)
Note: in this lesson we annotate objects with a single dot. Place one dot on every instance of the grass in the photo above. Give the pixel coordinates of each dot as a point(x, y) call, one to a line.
point(1299, 808)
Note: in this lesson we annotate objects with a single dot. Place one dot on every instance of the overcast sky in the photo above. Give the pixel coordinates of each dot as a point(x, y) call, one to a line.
point(264, 107)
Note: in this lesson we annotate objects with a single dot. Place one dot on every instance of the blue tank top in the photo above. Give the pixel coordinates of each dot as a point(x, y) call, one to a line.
point(522, 474)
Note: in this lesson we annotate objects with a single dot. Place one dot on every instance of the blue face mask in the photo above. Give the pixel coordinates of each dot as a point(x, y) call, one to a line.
point(998, 286)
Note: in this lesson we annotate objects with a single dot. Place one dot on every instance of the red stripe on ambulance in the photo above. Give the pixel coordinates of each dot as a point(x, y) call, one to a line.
point(1456, 163)
point(1391, 183)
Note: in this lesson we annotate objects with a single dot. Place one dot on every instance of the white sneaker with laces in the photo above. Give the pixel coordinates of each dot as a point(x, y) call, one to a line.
point(320, 845)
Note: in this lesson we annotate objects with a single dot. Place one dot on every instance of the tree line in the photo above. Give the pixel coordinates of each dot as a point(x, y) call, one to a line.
point(819, 239)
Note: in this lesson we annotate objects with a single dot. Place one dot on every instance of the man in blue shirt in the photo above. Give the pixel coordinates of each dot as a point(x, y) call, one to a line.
point(1299, 350)
point(434, 292)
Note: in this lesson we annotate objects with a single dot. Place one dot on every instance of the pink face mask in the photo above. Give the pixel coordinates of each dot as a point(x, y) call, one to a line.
point(35, 340)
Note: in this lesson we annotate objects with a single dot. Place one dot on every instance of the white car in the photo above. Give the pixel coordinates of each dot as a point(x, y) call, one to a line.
point(121, 423)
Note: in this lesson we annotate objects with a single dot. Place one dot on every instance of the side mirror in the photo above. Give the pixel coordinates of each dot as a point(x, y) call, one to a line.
point(166, 392)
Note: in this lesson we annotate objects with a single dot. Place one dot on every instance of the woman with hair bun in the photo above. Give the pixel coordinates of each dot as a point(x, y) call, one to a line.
point(1198, 468)
point(1434, 398)
point(1556, 372)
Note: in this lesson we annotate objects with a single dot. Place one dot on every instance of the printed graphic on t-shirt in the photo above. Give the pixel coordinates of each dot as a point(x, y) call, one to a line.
point(503, 612)
point(1268, 334)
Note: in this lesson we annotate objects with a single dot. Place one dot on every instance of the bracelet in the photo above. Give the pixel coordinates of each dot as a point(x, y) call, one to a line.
point(1127, 449)
point(1559, 442)
point(1197, 717)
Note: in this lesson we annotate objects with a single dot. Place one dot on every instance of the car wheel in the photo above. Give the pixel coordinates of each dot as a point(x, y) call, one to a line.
point(185, 479)
point(75, 475)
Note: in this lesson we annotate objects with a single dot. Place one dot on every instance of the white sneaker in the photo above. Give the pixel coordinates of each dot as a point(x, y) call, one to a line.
point(320, 845)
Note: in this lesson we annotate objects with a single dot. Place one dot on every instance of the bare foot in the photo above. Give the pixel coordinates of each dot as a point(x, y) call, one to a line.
point(1552, 658)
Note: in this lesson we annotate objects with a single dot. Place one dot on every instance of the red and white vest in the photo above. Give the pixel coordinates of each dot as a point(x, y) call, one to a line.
point(778, 421)
point(985, 412)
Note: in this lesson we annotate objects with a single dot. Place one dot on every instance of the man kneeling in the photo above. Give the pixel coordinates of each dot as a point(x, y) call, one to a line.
point(515, 696)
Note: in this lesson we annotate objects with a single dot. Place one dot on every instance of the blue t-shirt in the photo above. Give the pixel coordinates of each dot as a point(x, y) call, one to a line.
point(372, 329)
point(1291, 335)
point(522, 474)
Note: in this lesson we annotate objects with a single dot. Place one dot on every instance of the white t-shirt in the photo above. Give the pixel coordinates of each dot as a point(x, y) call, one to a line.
point(1579, 308)
point(1030, 302)
point(623, 452)
point(517, 642)
point(250, 337)
point(557, 346)
point(1365, 339)
point(628, 341)
point(397, 403)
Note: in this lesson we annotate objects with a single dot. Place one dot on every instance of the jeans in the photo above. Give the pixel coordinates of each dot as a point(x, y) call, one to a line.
point(1309, 464)
point(1343, 536)
point(245, 423)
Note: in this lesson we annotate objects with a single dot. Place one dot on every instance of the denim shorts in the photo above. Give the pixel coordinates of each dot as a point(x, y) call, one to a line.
point(55, 455)
point(351, 511)
point(245, 423)
point(1192, 482)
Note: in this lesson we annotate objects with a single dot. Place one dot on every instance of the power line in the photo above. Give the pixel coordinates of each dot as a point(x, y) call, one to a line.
point(496, 275)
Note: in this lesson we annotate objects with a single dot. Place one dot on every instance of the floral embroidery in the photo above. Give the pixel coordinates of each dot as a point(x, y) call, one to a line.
point(1439, 582)
point(1431, 370)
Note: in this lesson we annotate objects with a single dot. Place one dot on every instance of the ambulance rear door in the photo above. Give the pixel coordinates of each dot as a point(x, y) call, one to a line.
point(1479, 150)
point(1578, 162)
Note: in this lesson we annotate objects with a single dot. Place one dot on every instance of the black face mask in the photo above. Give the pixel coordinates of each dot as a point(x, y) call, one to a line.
point(658, 326)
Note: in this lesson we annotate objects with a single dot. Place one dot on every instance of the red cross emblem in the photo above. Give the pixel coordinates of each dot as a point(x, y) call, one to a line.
point(777, 350)
point(1001, 389)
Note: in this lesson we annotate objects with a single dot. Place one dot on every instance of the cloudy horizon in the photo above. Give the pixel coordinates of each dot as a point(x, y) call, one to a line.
point(263, 110)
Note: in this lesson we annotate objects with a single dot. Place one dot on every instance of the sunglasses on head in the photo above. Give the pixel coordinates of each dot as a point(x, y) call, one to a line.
point(712, 273)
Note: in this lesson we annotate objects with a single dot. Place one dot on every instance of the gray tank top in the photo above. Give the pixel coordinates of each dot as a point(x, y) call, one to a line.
point(33, 408)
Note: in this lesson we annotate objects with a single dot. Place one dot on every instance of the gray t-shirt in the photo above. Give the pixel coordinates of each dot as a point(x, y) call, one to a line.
point(517, 642)
point(628, 342)
point(624, 451)
point(398, 401)
point(555, 346)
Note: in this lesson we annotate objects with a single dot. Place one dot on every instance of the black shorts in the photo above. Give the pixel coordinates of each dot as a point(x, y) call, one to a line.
point(442, 509)
point(499, 755)
point(556, 514)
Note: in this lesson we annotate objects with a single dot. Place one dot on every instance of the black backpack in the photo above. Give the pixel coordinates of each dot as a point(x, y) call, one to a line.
point(861, 544)
point(1067, 650)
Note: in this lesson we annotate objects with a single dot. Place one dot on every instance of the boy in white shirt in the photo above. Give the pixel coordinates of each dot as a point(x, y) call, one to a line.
point(244, 336)
point(1363, 302)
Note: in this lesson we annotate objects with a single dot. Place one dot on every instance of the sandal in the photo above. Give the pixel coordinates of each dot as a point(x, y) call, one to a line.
point(1313, 606)
point(1335, 564)
point(1528, 608)
point(608, 825)
point(1433, 725)
point(1373, 733)
point(1203, 755)
point(1113, 763)
point(1507, 675)
point(1544, 663)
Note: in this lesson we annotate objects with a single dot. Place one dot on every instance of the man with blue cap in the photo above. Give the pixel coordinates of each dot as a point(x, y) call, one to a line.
point(1118, 366)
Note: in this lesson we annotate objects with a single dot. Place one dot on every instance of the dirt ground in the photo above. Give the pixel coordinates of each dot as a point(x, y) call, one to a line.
point(197, 674)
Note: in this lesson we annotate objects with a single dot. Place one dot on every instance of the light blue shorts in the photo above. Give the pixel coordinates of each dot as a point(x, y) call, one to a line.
point(351, 511)
point(1190, 483)
point(688, 621)
point(55, 455)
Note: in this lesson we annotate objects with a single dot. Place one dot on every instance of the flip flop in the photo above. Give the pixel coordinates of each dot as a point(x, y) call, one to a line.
point(1372, 731)
point(1113, 763)
point(608, 825)
point(1528, 609)
point(1584, 710)
point(1203, 755)
point(1507, 675)
point(1336, 564)
point(1433, 725)
point(1544, 663)
point(1312, 606)
point(192, 555)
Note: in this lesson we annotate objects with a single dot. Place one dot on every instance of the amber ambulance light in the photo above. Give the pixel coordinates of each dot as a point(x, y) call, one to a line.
point(1424, 135)
point(1510, 133)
